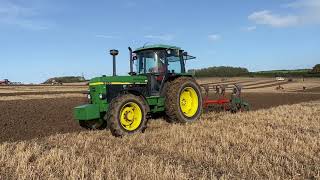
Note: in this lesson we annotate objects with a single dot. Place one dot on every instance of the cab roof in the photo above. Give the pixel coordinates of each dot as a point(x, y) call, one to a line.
point(156, 46)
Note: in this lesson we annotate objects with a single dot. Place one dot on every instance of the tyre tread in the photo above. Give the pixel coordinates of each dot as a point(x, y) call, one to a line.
point(113, 113)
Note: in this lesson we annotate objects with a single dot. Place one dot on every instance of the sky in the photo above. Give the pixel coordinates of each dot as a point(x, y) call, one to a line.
point(40, 39)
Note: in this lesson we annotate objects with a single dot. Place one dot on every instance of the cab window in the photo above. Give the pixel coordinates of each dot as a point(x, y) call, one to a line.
point(154, 62)
point(174, 63)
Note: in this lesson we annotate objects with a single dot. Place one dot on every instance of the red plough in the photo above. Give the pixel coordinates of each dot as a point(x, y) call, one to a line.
point(222, 100)
point(233, 104)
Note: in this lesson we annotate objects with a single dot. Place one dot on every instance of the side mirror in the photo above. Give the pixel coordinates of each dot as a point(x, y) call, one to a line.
point(174, 52)
point(134, 56)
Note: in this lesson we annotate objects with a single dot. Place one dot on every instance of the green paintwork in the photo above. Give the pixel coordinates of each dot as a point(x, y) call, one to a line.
point(156, 46)
point(156, 103)
point(239, 102)
point(95, 91)
point(86, 112)
point(131, 79)
point(153, 100)
point(97, 86)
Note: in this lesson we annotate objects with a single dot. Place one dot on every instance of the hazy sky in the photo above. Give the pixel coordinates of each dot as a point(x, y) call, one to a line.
point(46, 38)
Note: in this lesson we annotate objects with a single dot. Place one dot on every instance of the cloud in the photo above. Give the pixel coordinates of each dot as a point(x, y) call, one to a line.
point(106, 36)
point(164, 37)
point(214, 37)
point(308, 4)
point(16, 15)
point(268, 18)
point(251, 28)
point(303, 12)
point(309, 11)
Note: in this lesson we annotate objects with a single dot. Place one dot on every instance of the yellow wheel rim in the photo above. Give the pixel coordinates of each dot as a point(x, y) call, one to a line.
point(189, 102)
point(130, 116)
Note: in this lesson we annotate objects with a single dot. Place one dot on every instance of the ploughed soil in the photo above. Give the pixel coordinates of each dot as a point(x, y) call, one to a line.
point(268, 100)
point(28, 119)
point(41, 93)
point(313, 90)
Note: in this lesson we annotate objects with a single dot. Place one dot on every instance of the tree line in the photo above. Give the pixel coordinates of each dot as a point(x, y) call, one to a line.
point(221, 71)
point(228, 71)
point(65, 79)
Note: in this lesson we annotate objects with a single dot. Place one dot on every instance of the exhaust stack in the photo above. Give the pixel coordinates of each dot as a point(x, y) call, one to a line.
point(114, 53)
point(131, 61)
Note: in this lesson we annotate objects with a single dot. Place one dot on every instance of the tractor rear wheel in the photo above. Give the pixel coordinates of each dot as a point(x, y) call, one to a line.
point(93, 124)
point(127, 115)
point(183, 101)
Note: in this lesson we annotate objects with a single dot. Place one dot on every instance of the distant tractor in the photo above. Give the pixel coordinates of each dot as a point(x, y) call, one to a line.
point(159, 85)
point(280, 79)
point(5, 82)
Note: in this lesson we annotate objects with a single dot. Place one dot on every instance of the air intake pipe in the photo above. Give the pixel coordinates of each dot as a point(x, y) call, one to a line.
point(114, 53)
point(131, 61)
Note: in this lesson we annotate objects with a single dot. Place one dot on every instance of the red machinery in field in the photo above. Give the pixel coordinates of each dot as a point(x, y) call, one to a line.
point(233, 104)
point(220, 91)
point(4, 82)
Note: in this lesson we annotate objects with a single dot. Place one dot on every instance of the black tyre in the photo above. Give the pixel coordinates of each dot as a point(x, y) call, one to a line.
point(183, 102)
point(127, 115)
point(93, 124)
point(163, 93)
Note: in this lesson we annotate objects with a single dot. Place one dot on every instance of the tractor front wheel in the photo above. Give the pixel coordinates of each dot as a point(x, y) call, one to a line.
point(127, 115)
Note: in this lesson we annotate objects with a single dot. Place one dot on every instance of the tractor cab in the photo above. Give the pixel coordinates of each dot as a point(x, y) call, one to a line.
point(160, 59)
point(159, 63)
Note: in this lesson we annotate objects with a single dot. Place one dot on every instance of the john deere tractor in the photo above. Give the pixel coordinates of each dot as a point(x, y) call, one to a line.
point(158, 85)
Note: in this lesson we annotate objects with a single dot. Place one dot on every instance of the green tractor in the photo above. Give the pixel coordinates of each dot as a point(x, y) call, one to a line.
point(159, 85)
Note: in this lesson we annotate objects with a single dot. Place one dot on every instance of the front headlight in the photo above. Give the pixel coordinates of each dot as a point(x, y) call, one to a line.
point(102, 96)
